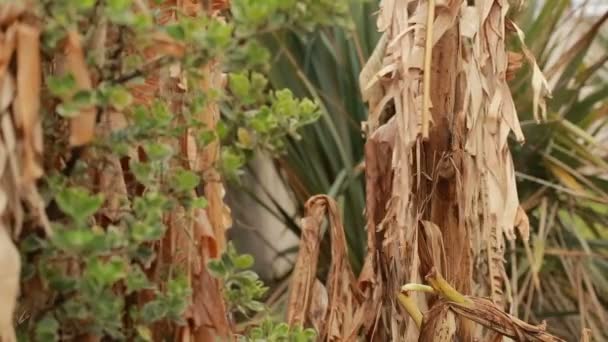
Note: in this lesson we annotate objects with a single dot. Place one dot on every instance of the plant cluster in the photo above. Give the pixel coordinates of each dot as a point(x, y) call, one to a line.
point(90, 276)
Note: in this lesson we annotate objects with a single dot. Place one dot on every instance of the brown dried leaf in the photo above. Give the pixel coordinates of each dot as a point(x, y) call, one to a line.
point(164, 45)
point(210, 115)
point(582, 43)
point(432, 249)
point(208, 310)
point(341, 318)
point(305, 269)
point(218, 211)
point(539, 83)
point(82, 126)
point(489, 315)
point(27, 101)
point(344, 297)
point(318, 306)
point(371, 90)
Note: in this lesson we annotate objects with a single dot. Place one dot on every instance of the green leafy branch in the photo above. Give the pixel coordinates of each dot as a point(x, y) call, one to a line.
point(243, 290)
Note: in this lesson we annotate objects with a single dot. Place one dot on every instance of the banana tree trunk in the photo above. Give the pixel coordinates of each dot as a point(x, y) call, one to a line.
point(441, 187)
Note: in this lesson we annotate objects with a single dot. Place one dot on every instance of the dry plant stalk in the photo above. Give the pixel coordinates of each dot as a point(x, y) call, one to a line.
point(338, 320)
point(445, 201)
point(305, 269)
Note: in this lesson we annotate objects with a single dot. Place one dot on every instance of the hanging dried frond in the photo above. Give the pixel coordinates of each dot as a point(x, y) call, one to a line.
point(338, 320)
point(305, 269)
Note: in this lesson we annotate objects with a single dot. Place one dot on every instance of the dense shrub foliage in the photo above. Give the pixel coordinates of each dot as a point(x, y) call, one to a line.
point(89, 277)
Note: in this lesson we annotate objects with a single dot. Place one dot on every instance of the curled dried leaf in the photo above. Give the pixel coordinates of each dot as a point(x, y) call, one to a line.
point(489, 315)
point(305, 269)
point(340, 318)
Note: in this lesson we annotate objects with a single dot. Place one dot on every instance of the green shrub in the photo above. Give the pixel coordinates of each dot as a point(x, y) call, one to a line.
point(87, 276)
